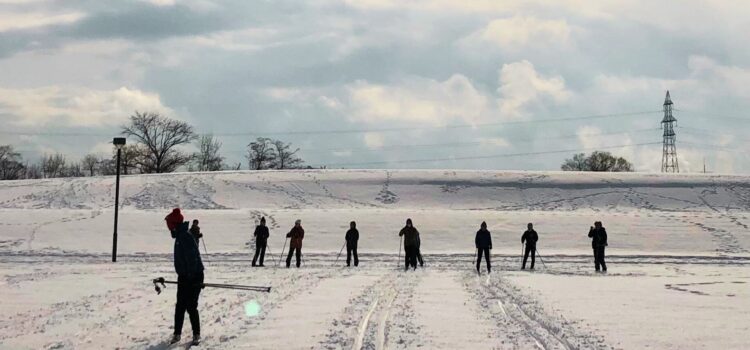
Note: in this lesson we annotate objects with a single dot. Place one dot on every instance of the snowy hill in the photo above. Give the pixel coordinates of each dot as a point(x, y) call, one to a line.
point(679, 251)
point(685, 214)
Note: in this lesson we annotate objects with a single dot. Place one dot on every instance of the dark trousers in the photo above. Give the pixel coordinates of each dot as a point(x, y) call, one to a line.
point(486, 252)
point(188, 291)
point(260, 251)
point(532, 250)
point(599, 259)
point(351, 250)
point(289, 257)
point(410, 259)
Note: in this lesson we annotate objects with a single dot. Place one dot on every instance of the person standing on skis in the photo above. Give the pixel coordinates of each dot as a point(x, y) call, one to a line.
point(483, 241)
point(195, 230)
point(411, 244)
point(189, 268)
point(598, 236)
point(530, 237)
point(173, 220)
point(352, 237)
point(297, 234)
point(261, 241)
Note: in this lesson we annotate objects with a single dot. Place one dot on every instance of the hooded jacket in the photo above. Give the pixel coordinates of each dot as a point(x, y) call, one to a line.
point(483, 239)
point(261, 234)
point(187, 257)
point(411, 236)
point(352, 236)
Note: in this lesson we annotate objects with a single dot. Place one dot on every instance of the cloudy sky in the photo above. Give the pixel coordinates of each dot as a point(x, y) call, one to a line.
point(380, 83)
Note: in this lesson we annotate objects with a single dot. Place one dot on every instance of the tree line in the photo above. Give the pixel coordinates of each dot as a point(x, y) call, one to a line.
point(156, 145)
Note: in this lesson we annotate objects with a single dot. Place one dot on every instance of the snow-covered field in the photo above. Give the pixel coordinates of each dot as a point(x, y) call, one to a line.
point(679, 261)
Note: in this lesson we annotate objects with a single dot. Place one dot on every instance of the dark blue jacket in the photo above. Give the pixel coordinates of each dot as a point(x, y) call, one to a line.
point(187, 257)
point(483, 239)
point(261, 235)
point(530, 237)
point(352, 237)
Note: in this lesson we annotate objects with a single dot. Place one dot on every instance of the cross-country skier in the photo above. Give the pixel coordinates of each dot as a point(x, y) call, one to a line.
point(261, 241)
point(195, 230)
point(598, 236)
point(483, 241)
point(295, 245)
point(173, 220)
point(530, 237)
point(411, 244)
point(352, 237)
point(189, 268)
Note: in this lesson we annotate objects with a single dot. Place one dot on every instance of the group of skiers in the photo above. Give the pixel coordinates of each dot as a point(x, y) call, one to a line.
point(189, 266)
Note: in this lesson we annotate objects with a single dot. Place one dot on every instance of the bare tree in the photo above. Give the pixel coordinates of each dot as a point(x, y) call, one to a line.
point(131, 158)
point(597, 161)
point(260, 154)
point(91, 163)
point(11, 166)
point(160, 135)
point(208, 158)
point(53, 165)
point(73, 170)
point(285, 157)
point(577, 163)
point(33, 171)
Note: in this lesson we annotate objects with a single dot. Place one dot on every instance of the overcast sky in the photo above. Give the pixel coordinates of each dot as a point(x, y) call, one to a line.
point(408, 80)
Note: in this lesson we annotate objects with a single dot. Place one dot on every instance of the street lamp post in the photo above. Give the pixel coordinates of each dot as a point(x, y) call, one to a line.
point(119, 142)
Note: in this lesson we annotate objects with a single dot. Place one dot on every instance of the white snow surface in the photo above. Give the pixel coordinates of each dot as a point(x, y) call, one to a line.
point(678, 258)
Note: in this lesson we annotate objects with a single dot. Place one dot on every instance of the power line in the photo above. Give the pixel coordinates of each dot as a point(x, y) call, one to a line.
point(351, 131)
point(456, 144)
point(489, 156)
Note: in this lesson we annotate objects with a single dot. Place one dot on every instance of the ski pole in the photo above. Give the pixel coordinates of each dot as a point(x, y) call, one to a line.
point(400, 241)
point(282, 252)
point(161, 281)
point(338, 256)
point(205, 250)
point(540, 258)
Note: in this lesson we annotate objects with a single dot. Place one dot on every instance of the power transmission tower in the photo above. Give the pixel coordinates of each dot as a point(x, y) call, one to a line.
point(669, 150)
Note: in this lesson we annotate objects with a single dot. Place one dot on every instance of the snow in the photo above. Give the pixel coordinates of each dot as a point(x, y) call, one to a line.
point(678, 261)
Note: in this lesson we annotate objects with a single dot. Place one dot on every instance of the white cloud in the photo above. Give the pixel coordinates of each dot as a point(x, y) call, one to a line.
point(520, 32)
point(76, 106)
point(161, 2)
point(521, 85)
point(418, 100)
point(19, 20)
point(374, 140)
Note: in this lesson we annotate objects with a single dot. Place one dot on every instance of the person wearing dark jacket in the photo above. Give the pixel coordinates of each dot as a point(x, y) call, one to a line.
point(530, 237)
point(173, 220)
point(598, 236)
point(411, 244)
point(261, 241)
point(189, 268)
point(483, 241)
point(352, 237)
point(295, 245)
point(195, 230)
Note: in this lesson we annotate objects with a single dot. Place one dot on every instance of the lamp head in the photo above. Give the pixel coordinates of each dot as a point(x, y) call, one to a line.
point(119, 142)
